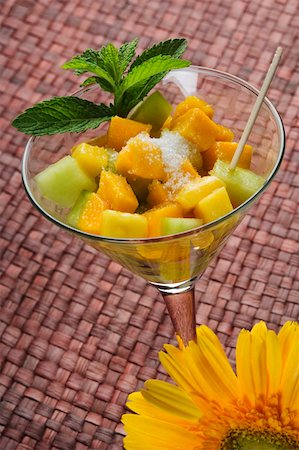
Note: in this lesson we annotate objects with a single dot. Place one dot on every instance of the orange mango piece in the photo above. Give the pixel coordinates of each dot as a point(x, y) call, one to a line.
point(193, 102)
point(154, 216)
point(157, 193)
point(187, 168)
point(225, 151)
point(224, 133)
point(121, 130)
point(141, 158)
point(90, 218)
point(196, 127)
point(117, 193)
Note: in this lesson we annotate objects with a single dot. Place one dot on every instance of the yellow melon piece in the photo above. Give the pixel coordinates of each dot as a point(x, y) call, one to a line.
point(190, 194)
point(225, 151)
point(141, 158)
point(91, 158)
point(224, 133)
point(193, 102)
point(154, 216)
point(117, 193)
point(213, 206)
point(91, 216)
point(123, 225)
point(121, 130)
point(196, 127)
point(157, 193)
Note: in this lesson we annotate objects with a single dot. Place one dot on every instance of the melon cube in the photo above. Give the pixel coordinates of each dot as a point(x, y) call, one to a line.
point(225, 151)
point(73, 216)
point(118, 224)
point(153, 110)
point(63, 181)
point(154, 216)
point(100, 141)
point(121, 130)
point(116, 192)
point(190, 194)
point(240, 183)
point(213, 206)
point(141, 158)
point(174, 225)
point(91, 158)
point(196, 127)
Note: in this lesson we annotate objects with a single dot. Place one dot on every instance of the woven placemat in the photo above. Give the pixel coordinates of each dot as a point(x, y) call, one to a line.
point(77, 331)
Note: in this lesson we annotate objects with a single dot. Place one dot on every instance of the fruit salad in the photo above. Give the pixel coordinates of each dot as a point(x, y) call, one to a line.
point(160, 171)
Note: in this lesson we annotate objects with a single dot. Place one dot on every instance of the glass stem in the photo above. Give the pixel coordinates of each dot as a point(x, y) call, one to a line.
point(181, 309)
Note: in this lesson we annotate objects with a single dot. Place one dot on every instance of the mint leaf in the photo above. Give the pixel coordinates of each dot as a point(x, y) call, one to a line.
point(91, 61)
point(151, 67)
point(143, 72)
point(108, 68)
point(60, 115)
point(126, 53)
point(110, 62)
point(136, 94)
point(171, 47)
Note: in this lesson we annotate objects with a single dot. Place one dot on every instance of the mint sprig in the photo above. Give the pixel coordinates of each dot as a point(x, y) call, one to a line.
point(116, 71)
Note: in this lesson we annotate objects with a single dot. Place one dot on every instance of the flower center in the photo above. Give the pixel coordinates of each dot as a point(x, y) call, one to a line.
point(251, 439)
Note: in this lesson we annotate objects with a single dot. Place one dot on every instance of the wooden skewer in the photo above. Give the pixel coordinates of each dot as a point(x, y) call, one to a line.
point(256, 108)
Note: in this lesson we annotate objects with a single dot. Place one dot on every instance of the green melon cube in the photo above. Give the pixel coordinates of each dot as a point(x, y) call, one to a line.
point(75, 213)
point(174, 225)
point(63, 181)
point(240, 183)
point(153, 110)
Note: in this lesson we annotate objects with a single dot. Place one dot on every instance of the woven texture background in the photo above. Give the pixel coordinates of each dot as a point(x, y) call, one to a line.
point(77, 331)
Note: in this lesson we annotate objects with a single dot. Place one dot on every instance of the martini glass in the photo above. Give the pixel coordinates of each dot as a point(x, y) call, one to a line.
point(172, 263)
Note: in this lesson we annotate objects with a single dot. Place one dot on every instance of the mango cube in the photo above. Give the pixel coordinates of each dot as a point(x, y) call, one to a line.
point(190, 194)
point(121, 130)
point(123, 225)
point(213, 206)
point(225, 151)
point(117, 193)
point(188, 169)
point(86, 213)
point(154, 216)
point(196, 127)
point(157, 193)
point(91, 158)
point(91, 216)
point(193, 102)
point(141, 158)
point(224, 133)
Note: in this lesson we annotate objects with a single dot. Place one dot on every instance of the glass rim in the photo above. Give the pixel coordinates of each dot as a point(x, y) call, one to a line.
point(205, 227)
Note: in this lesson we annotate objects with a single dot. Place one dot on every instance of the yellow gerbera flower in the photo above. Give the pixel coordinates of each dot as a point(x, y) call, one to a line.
point(213, 408)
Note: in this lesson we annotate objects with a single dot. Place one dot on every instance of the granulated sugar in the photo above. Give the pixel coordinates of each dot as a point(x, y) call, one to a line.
point(175, 150)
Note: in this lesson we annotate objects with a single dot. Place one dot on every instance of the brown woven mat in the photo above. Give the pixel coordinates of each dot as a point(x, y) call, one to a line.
point(78, 332)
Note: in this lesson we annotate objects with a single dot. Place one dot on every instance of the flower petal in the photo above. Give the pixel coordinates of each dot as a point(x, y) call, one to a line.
point(171, 399)
point(148, 433)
